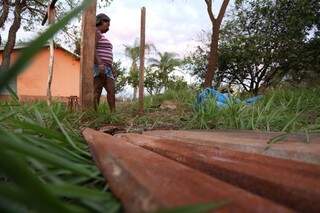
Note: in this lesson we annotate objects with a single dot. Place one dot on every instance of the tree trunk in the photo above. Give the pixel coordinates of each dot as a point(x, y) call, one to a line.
point(51, 16)
point(50, 72)
point(4, 15)
point(213, 55)
point(12, 34)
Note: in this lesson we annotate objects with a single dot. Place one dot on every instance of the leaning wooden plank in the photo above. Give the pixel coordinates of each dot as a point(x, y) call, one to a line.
point(292, 147)
point(291, 183)
point(145, 181)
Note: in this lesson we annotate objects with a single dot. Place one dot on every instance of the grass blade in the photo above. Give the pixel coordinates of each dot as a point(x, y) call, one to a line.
point(18, 172)
point(67, 135)
point(12, 142)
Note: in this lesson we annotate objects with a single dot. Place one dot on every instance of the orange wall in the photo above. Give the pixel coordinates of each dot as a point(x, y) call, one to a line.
point(66, 74)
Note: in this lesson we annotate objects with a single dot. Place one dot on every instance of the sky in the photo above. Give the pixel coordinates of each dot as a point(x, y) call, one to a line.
point(171, 25)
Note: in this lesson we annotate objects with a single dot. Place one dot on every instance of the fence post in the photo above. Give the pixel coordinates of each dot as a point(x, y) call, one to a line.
point(142, 52)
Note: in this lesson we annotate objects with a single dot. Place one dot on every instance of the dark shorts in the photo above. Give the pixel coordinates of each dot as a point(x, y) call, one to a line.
point(107, 72)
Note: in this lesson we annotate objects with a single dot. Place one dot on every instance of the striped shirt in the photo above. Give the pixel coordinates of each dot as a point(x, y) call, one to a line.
point(104, 49)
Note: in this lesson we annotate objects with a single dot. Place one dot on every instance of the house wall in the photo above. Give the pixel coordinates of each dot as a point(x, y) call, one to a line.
point(32, 82)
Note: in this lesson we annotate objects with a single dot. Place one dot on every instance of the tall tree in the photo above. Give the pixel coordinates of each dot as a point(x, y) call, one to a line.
point(264, 42)
point(133, 52)
point(268, 40)
point(213, 54)
point(165, 64)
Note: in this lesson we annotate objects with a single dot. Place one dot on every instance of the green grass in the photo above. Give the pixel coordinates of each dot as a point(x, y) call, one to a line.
point(155, 117)
point(286, 110)
point(45, 163)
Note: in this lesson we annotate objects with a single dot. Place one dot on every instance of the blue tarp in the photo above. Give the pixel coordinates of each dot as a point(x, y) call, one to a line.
point(222, 99)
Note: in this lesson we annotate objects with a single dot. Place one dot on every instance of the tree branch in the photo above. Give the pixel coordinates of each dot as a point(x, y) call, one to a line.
point(222, 10)
point(51, 5)
point(40, 3)
point(19, 7)
point(209, 9)
point(5, 12)
point(35, 10)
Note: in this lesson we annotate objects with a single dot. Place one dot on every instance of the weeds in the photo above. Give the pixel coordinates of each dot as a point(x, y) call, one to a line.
point(47, 144)
point(292, 110)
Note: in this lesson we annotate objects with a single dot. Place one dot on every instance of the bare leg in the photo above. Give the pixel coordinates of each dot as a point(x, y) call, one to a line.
point(110, 87)
point(98, 85)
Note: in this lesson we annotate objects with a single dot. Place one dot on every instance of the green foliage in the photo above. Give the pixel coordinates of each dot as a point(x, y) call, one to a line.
point(265, 42)
point(121, 79)
point(133, 52)
point(196, 62)
point(156, 116)
point(152, 81)
point(133, 78)
point(284, 109)
point(164, 66)
point(177, 83)
point(46, 163)
point(305, 71)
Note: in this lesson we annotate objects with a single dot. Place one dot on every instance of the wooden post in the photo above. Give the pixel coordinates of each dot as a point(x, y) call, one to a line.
point(142, 50)
point(87, 55)
point(51, 17)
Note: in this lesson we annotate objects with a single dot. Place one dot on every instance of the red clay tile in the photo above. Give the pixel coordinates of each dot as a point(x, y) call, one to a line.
point(145, 181)
point(291, 183)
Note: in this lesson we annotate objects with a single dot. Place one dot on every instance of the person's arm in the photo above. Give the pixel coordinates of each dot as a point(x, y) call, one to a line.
point(97, 60)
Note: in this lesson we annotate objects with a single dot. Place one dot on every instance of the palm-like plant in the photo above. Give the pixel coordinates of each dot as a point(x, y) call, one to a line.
point(133, 52)
point(165, 65)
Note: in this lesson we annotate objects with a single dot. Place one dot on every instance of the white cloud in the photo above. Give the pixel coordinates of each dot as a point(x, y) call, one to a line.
point(171, 25)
